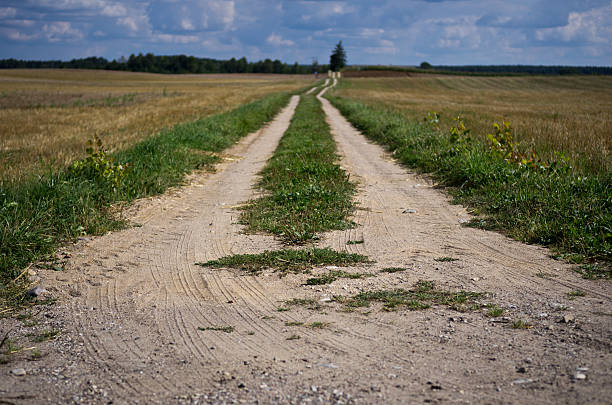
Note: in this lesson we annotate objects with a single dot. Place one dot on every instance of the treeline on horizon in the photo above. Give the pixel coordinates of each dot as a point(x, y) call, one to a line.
point(190, 64)
point(169, 64)
point(495, 70)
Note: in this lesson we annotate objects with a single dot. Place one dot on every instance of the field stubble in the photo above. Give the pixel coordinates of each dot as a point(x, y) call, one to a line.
point(50, 115)
point(568, 114)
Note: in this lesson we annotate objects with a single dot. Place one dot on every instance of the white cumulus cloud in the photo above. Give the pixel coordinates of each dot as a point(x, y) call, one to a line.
point(593, 26)
point(277, 40)
point(61, 31)
point(7, 12)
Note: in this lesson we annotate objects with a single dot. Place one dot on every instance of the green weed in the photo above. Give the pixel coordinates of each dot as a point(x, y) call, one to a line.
point(495, 311)
point(393, 269)
point(287, 260)
point(226, 329)
point(333, 275)
point(445, 259)
point(422, 296)
point(520, 324)
point(355, 242)
point(576, 293)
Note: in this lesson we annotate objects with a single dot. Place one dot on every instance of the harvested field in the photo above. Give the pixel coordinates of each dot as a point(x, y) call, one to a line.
point(51, 114)
point(569, 114)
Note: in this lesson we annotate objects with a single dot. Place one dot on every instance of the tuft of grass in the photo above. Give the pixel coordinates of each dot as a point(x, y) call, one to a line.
point(393, 269)
point(495, 311)
point(294, 323)
point(226, 329)
point(294, 337)
point(309, 303)
point(551, 203)
point(287, 260)
point(333, 275)
point(46, 335)
point(593, 271)
point(520, 324)
point(446, 259)
point(306, 190)
point(576, 293)
point(318, 325)
point(422, 296)
point(355, 242)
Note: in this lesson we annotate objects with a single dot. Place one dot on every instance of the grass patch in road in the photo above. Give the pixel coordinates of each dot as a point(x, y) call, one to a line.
point(576, 293)
point(355, 242)
point(446, 259)
point(37, 214)
point(393, 269)
point(287, 260)
point(422, 296)
point(309, 303)
point(520, 324)
point(306, 190)
point(495, 310)
point(333, 275)
point(226, 329)
point(550, 204)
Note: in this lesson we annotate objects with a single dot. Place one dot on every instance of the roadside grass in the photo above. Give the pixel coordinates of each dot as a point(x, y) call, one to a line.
point(422, 296)
point(39, 213)
point(552, 205)
point(570, 114)
point(306, 191)
point(287, 260)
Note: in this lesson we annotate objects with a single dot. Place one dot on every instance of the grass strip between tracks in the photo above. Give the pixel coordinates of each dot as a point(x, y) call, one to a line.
point(287, 260)
point(38, 214)
point(556, 207)
point(306, 190)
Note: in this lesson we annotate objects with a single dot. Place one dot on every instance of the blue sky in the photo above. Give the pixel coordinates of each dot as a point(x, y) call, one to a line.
point(401, 32)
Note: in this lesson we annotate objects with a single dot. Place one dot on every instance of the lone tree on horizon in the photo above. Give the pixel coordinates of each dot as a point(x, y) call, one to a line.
point(337, 60)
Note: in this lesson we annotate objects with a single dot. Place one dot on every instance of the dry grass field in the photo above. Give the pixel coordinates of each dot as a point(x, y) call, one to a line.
point(51, 114)
point(572, 114)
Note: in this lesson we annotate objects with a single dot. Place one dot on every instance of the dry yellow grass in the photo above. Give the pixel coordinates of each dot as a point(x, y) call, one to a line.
point(51, 114)
point(571, 114)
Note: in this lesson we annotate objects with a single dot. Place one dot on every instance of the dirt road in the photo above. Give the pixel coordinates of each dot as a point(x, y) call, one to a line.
point(137, 313)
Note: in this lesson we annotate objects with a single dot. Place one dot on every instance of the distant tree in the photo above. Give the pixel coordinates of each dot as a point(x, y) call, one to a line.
point(425, 65)
point(337, 60)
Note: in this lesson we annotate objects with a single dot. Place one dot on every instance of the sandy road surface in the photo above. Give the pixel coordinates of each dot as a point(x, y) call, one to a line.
point(131, 304)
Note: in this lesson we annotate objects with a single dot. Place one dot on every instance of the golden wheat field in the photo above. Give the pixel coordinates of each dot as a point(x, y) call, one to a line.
point(49, 115)
point(570, 114)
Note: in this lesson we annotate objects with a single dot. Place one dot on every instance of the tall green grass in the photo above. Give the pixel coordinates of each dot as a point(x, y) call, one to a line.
point(38, 214)
point(556, 207)
point(307, 192)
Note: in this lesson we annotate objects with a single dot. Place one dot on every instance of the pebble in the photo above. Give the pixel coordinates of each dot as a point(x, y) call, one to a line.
point(567, 319)
point(35, 292)
point(19, 372)
point(522, 381)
